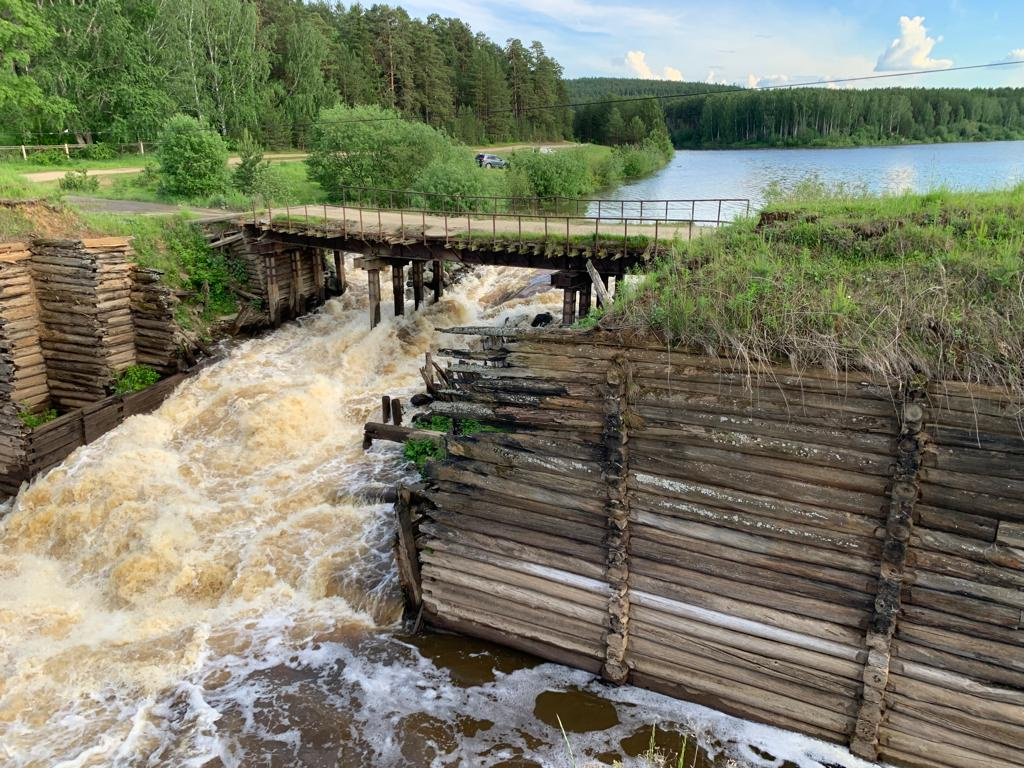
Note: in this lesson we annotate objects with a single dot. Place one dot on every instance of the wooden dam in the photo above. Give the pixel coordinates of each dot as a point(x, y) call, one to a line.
point(842, 557)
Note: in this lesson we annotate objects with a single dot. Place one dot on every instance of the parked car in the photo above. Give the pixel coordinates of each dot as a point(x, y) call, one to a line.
point(490, 161)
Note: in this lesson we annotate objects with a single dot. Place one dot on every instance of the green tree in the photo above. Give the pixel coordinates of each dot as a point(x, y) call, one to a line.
point(192, 158)
point(24, 34)
point(370, 147)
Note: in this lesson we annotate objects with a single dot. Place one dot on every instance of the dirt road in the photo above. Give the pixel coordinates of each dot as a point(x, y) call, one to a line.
point(41, 176)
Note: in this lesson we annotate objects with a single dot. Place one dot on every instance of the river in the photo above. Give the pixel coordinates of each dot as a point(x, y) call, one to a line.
point(878, 170)
point(212, 585)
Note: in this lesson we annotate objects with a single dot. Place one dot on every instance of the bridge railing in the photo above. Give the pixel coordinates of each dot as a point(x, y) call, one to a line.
point(698, 210)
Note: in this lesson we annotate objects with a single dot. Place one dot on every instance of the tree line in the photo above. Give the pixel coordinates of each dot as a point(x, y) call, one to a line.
point(724, 116)
point(116, 70)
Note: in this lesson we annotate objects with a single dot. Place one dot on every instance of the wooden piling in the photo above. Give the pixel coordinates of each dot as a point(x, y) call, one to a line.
point(568, 306)
point(339, 271)
point(319, 276)
point(417, 284)
point(584, 303)
point(438, 280)
point(385, 408)
point(398, 286)
point(373, 276)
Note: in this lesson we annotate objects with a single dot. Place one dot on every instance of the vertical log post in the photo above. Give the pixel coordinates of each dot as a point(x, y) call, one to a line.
point(438, 280)
point(295, 293)
point(615, 438)
point(373, 276)
point(899, 524)
point(396, 412)
point(273, 291)
point(339, 271)
point(24, 154)
point(568, 306)
point(417, 284)
point(398, 286)
point(385, 408)
point(585, 296)
point(319, 276)
point(406, 556)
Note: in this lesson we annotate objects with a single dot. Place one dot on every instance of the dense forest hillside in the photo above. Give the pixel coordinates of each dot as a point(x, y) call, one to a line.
point(725, 116)
point(115, 70)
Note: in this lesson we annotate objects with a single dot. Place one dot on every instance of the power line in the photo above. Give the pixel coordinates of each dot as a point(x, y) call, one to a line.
point(718, 90)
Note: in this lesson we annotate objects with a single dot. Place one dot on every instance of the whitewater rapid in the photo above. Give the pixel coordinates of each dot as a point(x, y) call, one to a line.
point(212, 584)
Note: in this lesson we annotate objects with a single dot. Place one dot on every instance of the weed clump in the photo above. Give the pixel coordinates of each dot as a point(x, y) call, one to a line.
point(135, 378)
point(33, 420)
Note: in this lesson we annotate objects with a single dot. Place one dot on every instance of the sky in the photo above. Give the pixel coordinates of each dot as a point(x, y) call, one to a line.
point(760, 42)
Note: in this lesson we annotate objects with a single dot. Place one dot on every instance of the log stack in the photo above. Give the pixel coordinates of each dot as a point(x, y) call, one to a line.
point(84, 292)
point(841, 556)
point(152, 308)
point(23, 386)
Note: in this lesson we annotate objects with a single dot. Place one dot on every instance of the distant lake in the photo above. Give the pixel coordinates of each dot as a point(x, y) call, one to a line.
point(919, 168)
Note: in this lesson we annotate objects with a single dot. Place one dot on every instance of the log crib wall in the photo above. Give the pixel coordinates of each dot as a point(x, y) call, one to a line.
point(843, 558)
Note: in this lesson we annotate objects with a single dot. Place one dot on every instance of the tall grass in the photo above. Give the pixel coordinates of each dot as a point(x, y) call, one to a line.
point(901, 286)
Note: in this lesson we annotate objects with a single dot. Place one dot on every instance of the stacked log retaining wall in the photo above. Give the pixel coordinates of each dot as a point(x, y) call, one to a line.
point(839, 556)
point(73, 314)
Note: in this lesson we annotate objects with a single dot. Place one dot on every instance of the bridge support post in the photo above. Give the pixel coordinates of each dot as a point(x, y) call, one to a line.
point(398, 286)
point(568, 306)
point(373, 275)
point(417, 284)
point(438, 280)
point(585, 296)
point(339, 271)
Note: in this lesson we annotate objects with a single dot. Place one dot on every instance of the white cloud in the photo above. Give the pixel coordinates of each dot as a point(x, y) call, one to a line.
point(753, 81)
point(637, 61)
point(1015, 55)
point(912, 49)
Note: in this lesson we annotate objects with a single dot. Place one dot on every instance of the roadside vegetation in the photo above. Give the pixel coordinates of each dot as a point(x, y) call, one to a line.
point(903, 286)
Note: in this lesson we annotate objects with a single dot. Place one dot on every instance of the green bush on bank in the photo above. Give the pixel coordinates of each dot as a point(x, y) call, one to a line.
point(135, 378)
point(193, 159)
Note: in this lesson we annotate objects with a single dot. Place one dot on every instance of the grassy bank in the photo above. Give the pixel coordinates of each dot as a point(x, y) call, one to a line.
point(915, 285)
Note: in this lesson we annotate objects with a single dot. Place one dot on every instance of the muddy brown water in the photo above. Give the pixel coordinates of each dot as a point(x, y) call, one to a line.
point(212, 585)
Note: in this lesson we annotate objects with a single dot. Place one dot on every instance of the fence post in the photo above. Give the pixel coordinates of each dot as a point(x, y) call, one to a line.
point(142, 148)
point(67, 152)
point(24, 154)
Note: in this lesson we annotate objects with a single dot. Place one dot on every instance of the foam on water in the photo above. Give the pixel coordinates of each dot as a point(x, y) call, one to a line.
point(212, 584)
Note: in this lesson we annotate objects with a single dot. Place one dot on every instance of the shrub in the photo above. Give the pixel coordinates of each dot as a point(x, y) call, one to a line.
point(449, 181)
point(33, 420)
point(79, 181)
point(53, 156)
point(135, 378)
point(565, 173)
point(370, 147)
point(97, 151)
point(250, 165)
point(193, 159)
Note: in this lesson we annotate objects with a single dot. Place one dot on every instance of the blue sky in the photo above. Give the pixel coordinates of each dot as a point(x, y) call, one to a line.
point(763, 41)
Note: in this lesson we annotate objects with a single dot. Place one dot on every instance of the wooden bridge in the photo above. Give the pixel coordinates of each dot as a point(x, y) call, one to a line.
point(403, 230)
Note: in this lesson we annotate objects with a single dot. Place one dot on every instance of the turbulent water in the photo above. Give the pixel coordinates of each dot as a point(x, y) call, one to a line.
point(212, 585)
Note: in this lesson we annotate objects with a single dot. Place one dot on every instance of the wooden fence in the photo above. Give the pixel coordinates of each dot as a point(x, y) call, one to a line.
point(48, 445)
point(843, 558)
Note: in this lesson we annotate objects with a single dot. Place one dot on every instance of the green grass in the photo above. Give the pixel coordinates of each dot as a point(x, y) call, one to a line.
point(901, 286)
point(74, 163)
point(292, 187)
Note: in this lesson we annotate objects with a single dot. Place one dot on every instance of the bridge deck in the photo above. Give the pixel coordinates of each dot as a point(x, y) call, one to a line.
point(615, 243)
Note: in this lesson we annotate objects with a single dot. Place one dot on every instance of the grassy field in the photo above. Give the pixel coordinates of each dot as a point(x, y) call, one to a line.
point(904, 286)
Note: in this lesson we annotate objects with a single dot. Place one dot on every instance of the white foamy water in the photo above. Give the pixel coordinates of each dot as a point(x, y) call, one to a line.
point(212, 584)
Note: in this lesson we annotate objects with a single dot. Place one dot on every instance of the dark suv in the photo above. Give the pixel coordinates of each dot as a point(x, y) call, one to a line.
point(490, 161)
